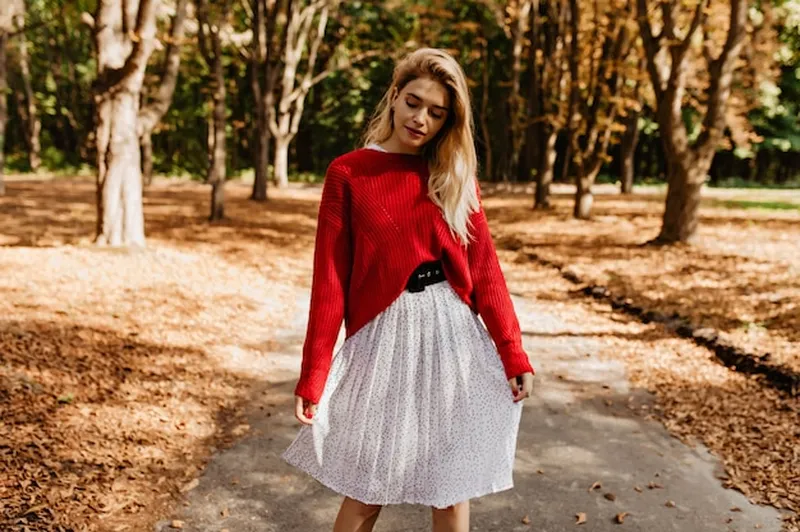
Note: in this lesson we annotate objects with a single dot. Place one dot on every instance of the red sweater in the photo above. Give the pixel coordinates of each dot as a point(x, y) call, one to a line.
point(376, 224)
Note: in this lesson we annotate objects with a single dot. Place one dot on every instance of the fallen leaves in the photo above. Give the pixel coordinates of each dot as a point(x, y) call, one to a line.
point(755, 309)
point(111, 391)
point(190, 486)
point(100, 330)
point(580, 518)
point(620, 517)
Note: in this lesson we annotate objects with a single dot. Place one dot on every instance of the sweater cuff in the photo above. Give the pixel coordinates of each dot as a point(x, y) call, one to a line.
point(515, 360)
point(310, 386)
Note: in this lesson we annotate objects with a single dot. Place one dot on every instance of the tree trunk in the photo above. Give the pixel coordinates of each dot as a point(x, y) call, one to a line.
point(119, 211)
point(303, 34)
point(762, 165)
point(486, 133)
point(217, 201)
point(146, 142)
point(124, 40)
point(583, 196)
point(627, 151)
point(152, 113)
point(3, 107)
point(689, 161)
point(544, 174)
point(683, 202)
point(281, 164)
point(211, 50)
point(263, 28)
point(217, 173)
point(515, 99)
point(261, 158)
point(33, 124)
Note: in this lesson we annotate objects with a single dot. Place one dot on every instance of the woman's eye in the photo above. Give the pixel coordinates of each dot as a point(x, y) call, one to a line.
point(436, 116)
point(412, 105)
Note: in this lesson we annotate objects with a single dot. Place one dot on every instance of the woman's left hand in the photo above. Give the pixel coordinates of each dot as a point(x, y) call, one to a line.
point(523, 389)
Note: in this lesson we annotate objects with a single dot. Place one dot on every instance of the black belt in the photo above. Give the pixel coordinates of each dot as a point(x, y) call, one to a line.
point(426, 274)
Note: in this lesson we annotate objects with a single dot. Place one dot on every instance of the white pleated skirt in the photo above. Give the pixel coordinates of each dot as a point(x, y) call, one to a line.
point(416, 409)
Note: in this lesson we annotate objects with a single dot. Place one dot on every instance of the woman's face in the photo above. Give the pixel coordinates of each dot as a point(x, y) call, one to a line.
point(420, 111)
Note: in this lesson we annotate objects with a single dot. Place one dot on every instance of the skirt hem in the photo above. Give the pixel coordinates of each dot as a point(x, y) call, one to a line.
point(488, 490)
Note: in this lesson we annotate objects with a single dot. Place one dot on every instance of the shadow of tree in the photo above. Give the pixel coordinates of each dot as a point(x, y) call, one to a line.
point(601, 437)
point(85, 409)
point(719, 282)
point(39, 213)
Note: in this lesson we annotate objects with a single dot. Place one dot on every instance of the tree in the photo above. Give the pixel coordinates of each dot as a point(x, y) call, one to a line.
point(547, 98)
point(630, 138)
point(518, 12)
point(210, 42)
point(26, 99)
point(597, 70)
point(157, 104)
point(667, 54)
point(9, 12)
point(304, 31)
point(124, 34)
point(264, 56)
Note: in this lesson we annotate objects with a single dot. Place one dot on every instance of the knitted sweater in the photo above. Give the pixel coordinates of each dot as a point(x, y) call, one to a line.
point(376, 224)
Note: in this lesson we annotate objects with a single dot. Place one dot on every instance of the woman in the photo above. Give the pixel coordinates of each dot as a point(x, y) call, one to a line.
point(419, 405)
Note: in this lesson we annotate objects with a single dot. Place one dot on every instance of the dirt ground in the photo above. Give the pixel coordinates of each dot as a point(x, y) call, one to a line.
point(120, 373)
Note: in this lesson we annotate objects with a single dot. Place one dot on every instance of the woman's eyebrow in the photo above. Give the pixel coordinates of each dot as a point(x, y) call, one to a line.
point(443, 108)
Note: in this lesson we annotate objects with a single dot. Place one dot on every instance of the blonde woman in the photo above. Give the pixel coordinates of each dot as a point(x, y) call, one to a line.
point(422, 403)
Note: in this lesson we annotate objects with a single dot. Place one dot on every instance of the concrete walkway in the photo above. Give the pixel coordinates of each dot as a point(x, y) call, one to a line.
point(577, 430)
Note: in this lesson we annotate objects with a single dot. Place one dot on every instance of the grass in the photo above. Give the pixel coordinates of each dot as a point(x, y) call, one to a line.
point(747, 204)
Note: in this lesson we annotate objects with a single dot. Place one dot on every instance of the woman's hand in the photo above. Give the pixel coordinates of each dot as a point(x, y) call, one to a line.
point(521, 386)
point(304, 410)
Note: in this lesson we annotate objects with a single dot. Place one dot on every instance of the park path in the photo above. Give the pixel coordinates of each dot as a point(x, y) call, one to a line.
point(581, 427)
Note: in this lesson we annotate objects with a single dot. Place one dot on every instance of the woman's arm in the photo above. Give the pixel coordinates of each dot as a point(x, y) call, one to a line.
point(492, 299)
point(332, 265)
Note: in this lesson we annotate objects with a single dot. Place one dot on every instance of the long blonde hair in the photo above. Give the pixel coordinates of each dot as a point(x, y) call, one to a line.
point(451, 154)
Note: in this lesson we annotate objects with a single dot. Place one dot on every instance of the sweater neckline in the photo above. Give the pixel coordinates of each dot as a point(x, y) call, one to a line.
point(377, 149)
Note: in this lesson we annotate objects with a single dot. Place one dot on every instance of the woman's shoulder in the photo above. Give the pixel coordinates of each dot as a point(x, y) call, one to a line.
point(350, 159)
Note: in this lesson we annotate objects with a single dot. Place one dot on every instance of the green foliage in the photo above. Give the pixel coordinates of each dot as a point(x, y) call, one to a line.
point(338, 109)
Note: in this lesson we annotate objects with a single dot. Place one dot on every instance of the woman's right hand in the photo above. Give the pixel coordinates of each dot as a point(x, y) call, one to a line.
point(304, 410)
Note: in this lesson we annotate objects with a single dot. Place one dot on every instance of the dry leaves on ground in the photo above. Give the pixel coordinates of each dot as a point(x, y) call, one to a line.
point(741, 276)
point(120, 371)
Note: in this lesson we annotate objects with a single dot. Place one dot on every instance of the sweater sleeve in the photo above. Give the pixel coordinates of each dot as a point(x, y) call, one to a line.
point(492, 299)
point(329, 285)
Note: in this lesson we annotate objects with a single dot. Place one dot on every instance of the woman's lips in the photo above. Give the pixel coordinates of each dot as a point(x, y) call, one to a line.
point(414, 133)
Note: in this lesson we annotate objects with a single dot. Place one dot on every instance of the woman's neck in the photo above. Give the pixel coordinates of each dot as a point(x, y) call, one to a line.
point(394, 145)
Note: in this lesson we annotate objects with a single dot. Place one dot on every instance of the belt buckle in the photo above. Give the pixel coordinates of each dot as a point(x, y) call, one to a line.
point(416, 284)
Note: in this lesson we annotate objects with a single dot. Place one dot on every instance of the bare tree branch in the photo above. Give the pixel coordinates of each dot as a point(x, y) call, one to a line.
point(154, 110)
point(699, 18)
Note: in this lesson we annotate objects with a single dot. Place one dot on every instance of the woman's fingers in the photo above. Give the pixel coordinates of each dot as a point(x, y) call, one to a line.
point(521, 386)
point(512, 383)
point(304, 411)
